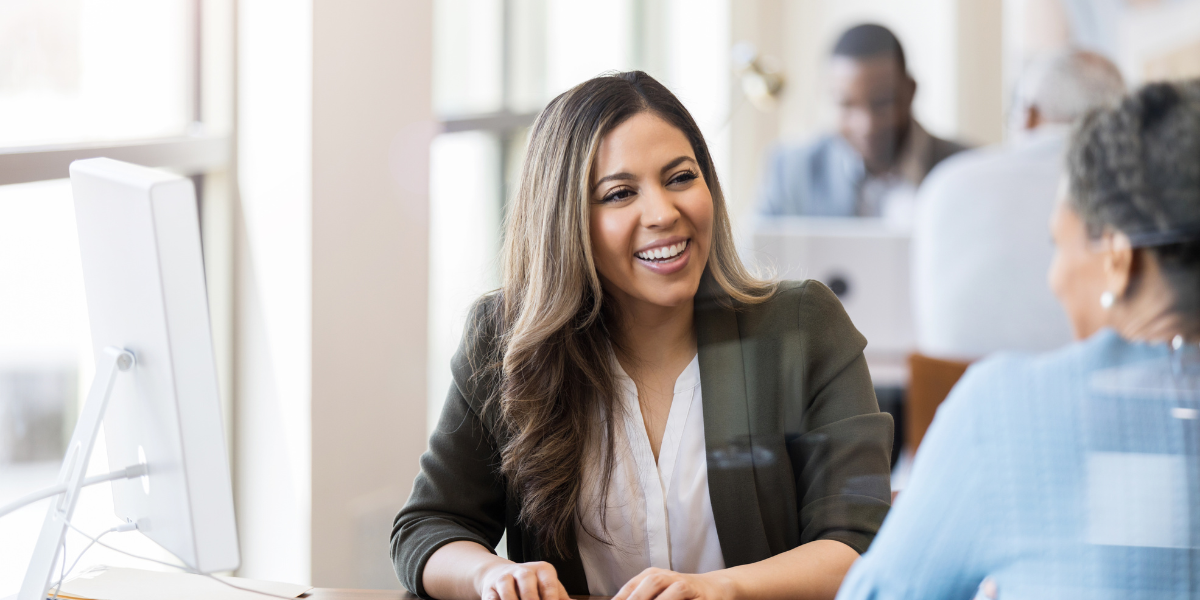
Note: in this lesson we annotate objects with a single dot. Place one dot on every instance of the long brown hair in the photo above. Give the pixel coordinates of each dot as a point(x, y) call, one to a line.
point(553, 318)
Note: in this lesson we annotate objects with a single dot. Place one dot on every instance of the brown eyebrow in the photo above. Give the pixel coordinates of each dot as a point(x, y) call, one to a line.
point(613, 177)
point(677, 162)
point(630, 177)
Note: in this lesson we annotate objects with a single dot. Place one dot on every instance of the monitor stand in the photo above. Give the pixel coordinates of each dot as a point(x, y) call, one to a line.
point(71, 475)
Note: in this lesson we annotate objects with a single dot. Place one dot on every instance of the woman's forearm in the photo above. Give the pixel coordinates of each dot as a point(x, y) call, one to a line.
point(451, 573)
point(814, 570)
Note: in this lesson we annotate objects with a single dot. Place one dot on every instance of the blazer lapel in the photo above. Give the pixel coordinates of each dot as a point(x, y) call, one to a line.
point(730, 454)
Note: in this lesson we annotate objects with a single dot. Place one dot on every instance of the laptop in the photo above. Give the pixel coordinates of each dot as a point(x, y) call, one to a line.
point(865, 261)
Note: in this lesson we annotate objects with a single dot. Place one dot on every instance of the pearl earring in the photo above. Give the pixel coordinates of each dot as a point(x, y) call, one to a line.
point(1107, 299)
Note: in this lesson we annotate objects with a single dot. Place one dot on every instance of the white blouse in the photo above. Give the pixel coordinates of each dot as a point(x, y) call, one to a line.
point(658, 515)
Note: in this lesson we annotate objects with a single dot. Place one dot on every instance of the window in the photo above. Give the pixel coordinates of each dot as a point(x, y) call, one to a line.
point(74, 71)
point(146, 81)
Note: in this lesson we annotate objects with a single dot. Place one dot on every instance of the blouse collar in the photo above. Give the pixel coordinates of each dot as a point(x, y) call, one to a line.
point(687, 381)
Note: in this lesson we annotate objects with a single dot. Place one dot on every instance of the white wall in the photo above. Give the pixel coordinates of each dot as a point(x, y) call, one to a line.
point(273, 422)
point(372, 125)
point(334, 128)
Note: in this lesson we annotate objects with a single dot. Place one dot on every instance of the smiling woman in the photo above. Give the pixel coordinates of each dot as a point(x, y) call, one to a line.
point(642, 416)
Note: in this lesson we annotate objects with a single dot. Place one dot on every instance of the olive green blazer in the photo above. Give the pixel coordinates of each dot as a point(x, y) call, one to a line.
point(797, 448)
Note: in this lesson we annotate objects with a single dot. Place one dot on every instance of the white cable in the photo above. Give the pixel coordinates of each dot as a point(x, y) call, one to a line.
point(32, 497)
point(180, 567)
point(58, 488)
point(63, 576)
point(100, 543)
point(62, 570)
point(132, 472)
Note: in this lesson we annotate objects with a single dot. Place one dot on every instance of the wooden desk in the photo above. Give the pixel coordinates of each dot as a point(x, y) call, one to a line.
point(349, 594)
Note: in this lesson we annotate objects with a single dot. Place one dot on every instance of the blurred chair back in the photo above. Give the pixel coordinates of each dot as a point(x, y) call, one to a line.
point(930, 381)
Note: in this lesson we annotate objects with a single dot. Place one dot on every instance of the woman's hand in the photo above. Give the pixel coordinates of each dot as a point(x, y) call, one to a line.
point(506, 580)
point(467, 571)
point(811, 571)
point(662, 584)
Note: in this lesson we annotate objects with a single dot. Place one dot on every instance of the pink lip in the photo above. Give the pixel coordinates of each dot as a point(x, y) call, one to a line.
point(672, 266)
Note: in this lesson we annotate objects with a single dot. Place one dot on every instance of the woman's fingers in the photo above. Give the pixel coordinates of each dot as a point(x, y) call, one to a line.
point(548, 584)
point(652, 583)
point(527, 584)
point(678, 590)
point(506, 588)
point(526, 581)
point(627, 589)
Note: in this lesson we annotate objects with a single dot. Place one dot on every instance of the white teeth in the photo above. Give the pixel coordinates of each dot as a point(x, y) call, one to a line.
point(662, 252)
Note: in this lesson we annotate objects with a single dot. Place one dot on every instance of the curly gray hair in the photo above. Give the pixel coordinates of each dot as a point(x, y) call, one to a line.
point(1135, 168)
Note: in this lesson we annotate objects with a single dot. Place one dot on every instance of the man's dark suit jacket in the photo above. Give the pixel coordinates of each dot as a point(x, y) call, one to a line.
point(822, 178)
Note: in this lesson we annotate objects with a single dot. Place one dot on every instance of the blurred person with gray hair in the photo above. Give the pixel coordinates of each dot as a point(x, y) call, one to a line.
point(980, 247)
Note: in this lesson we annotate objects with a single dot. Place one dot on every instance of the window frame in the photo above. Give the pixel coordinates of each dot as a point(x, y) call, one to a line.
point(207, 156)
point(188, 154)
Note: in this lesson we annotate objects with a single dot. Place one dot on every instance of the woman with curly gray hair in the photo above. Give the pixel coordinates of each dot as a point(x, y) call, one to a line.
point(1076, 474)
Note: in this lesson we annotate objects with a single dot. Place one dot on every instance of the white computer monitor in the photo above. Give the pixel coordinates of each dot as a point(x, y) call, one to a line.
point(139, 240)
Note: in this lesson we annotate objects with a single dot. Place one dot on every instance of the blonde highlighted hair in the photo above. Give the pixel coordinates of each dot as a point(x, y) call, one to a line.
point(553, 319)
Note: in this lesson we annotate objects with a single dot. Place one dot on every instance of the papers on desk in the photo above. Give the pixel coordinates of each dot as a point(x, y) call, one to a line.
point(112, 583)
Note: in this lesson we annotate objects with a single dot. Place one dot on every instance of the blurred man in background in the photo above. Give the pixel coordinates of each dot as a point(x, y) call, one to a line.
point(873, 165)
point(981, 243)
